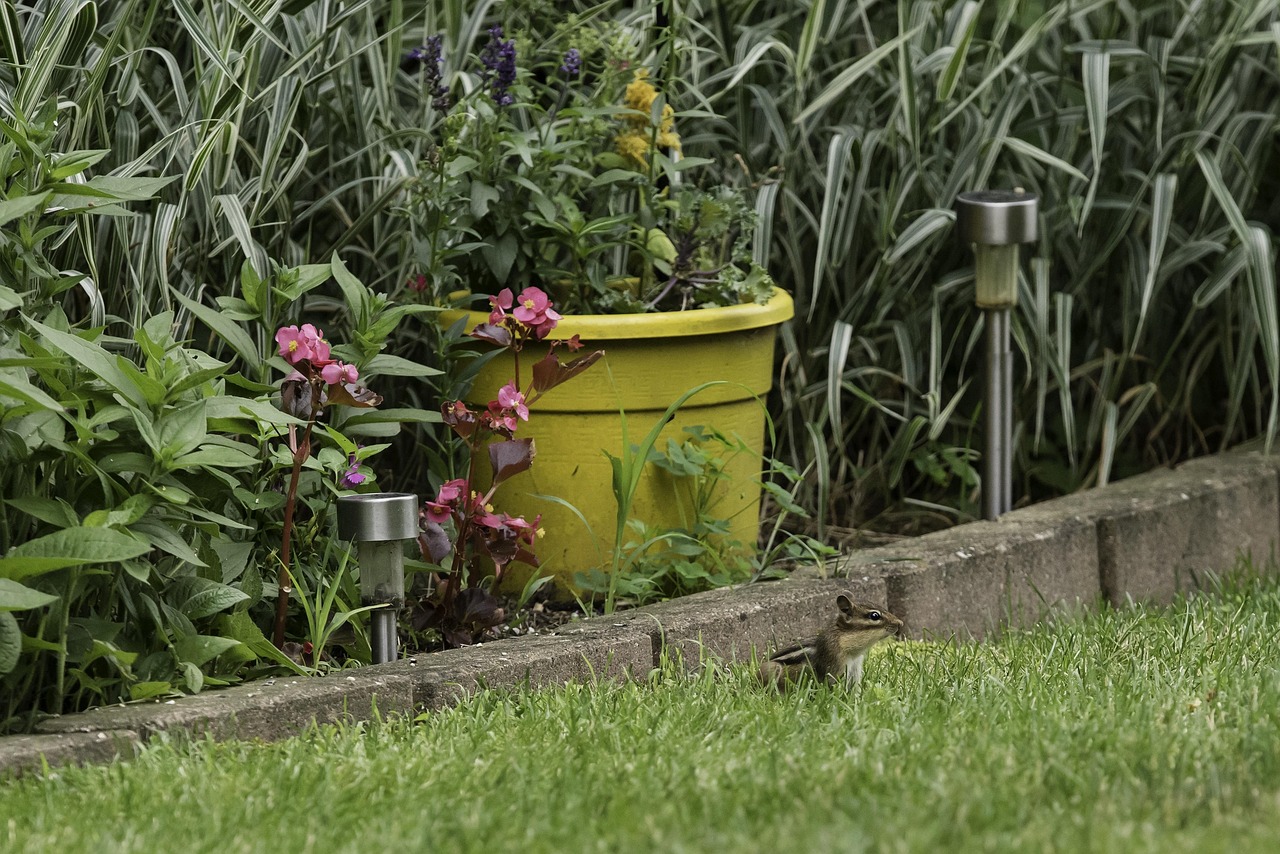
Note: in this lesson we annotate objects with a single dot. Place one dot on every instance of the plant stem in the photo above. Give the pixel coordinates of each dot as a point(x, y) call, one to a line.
point(285, 580)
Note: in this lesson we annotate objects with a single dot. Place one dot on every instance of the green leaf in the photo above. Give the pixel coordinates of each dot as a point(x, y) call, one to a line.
point(147, 690)
point(243, 629)
point(258, 500)
point(10, 643)
point(925, 226)
point(72, 547)
point(166, 538)
point(226, 408)
point(19, 387)
point(53, 511)
point(216, 456)
point(193, 677)
point(1021, 146)
point(294, 283)
point(129, 511)
point(396, 416)
point(200, 649)
point(12, 49)
point(18, 597)
point(252, 287)
point(183, 430)
point(11, 209)
point(482, 196)
point(353, 290)
point(71, 163)
point(230, 331)
point(93, 358)
point(209, 598)
point(384, 365)
point(967, 22)
point(233, 557)
point(9, 299)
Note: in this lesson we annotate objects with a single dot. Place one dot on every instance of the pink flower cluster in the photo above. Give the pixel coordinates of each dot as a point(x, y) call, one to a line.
point(307, 344)
point(532, 308)
point(501, 416)
point(508, 407)
point(455, 497)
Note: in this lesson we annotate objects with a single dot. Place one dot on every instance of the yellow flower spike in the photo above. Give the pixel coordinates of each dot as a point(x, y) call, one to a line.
point(640, 93)
point(634, 142)
point(633, 146)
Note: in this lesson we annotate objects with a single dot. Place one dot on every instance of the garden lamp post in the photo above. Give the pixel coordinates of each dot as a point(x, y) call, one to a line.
point(994, 222)
point(379, 523)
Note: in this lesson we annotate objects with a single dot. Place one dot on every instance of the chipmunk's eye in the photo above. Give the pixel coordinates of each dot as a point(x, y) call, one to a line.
point(873, 616)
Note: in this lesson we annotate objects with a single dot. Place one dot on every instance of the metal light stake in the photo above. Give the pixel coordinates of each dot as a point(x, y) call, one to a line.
point(379, 523)
point(994, 222)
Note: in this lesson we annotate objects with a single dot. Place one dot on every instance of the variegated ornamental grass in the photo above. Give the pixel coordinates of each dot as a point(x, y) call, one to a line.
point(1147, 328)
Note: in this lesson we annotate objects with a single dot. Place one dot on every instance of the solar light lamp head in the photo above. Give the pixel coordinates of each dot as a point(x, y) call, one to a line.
point(995, 222)
point(379, 523)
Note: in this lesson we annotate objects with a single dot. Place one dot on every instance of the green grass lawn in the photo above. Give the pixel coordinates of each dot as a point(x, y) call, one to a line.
point(1143, 729)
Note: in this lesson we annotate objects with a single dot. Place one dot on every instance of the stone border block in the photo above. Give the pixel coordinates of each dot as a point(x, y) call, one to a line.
point(441, 678)
point(266, 710)
point(28, 754)
point(973, 579)
point(1159, 531)
point(733, 623)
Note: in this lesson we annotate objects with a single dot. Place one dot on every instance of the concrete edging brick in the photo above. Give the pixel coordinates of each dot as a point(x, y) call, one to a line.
point(267, 709)
point(972, 579)
point(732, 623)
point(28, 754)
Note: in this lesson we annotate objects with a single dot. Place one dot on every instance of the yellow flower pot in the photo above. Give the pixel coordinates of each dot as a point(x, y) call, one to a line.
point(650, 361)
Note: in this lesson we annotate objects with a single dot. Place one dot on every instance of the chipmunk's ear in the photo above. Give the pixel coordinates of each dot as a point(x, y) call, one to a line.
point(845, 604)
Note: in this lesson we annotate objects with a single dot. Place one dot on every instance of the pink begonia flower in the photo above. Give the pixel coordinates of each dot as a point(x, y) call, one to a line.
point(339, 372)
point(438, 511)
point(302, 344)
point(526, 531)
point(509, 397)
point(499, 305)
point(500, 419)
point(451, 491)
point(488, 519)
point(533, 302)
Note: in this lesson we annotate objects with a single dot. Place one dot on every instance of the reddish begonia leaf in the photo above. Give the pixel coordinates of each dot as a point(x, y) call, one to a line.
point(459, 418)
point(550, 372)
point(433, 542)
point(492, 333)
point(511, 457)
point(350, 394)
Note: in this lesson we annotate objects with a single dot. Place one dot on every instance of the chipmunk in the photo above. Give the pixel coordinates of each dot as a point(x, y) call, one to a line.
point(836, 653)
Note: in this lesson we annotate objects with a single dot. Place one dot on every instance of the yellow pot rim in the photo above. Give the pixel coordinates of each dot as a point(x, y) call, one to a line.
point(662, 324)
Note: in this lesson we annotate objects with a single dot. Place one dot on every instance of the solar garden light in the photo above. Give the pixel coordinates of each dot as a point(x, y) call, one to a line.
point(994, 222)
point(379, 523)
